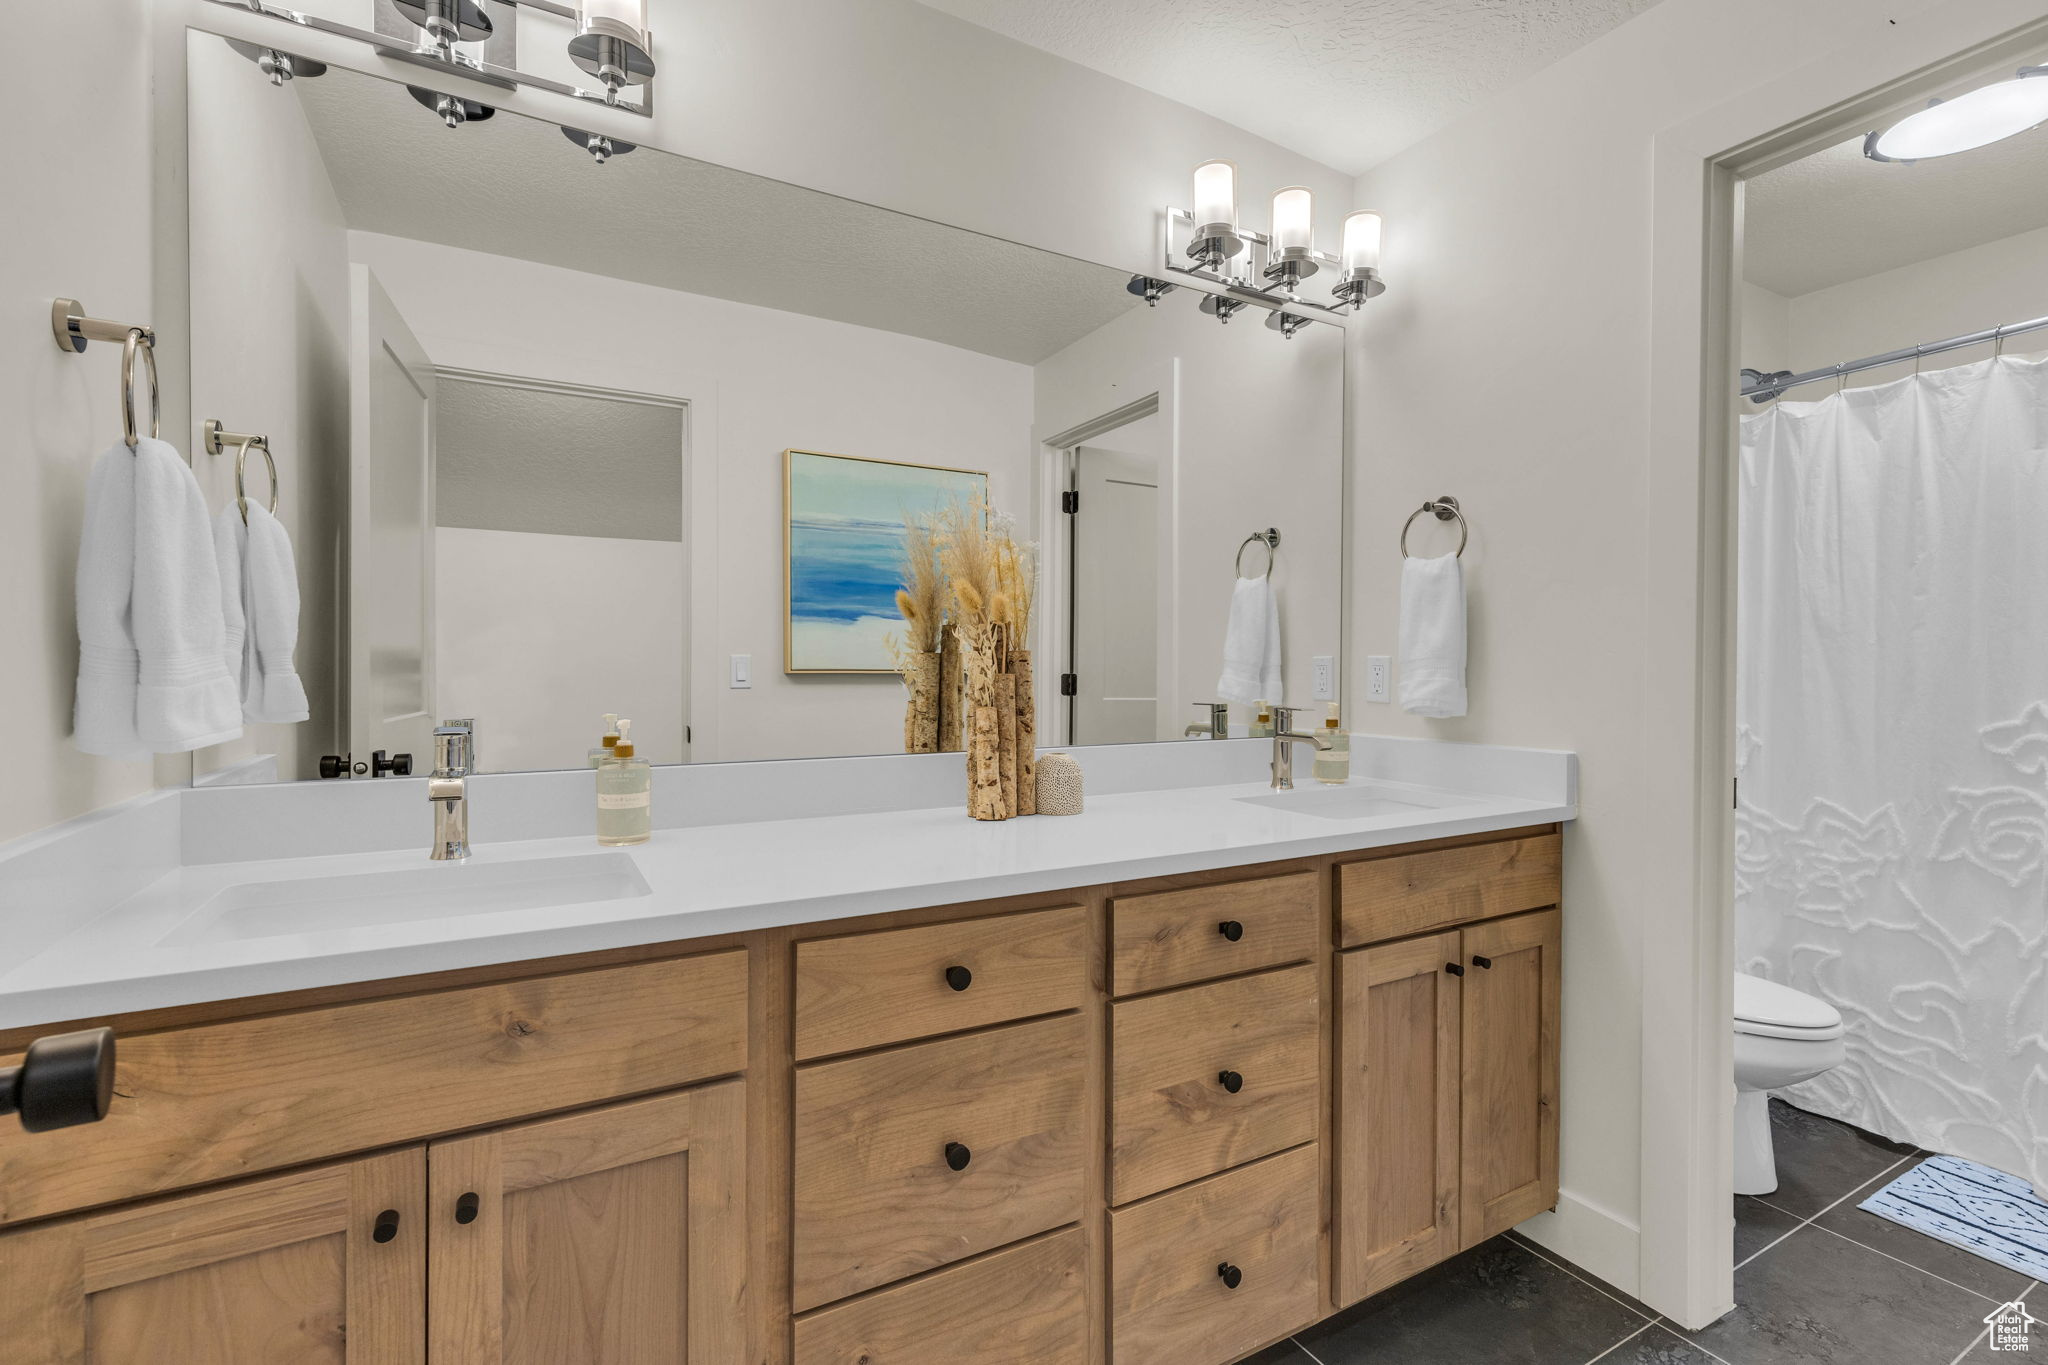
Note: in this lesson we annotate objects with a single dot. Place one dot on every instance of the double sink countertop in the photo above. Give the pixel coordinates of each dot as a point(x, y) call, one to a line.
point(191, 931)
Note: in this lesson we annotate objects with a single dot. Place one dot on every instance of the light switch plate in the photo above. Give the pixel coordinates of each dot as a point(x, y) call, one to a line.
point(742, 670)
point(1325, 677)
point(1379, 676)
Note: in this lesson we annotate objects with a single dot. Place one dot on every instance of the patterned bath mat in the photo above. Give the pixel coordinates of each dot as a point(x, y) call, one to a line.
point(1973, 1207)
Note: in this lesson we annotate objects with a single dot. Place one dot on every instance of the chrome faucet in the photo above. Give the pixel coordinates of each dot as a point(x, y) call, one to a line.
point(1218, 724)
point(448, 789)
point(1285, 737)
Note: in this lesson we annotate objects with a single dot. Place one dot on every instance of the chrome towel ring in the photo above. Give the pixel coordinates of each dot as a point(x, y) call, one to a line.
point(1270, 538)
point(1443, 509)
point(218, 439)
point(138, 340)
point(73, 331)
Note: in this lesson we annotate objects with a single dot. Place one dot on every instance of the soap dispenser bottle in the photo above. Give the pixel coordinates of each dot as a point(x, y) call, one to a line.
point(625, 794)
point(1262, 720)
point(611, 737)
point(1333, 763)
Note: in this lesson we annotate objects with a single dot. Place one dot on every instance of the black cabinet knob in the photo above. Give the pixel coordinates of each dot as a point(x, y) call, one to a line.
point(1454, 969)
point(386, 1227)
point(1230, 1081)
point(1231, 1276)
point(1231, 929)
point(333, 765)
point(392, 765)
point(957, 1155)
point(1479, 961)
point(64, 1080)
point(467, 1207)
point(959, 978)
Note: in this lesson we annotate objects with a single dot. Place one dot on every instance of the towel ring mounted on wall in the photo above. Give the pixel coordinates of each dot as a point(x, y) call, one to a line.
point(1270, 538)
point(1443, 509)
point(219, 439)
point(74, 331)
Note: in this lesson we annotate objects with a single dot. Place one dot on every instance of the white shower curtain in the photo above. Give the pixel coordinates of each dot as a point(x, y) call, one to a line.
point(1892, 723)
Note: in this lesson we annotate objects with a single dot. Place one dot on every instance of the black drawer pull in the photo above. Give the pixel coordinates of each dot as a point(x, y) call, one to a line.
point(467, 1207)
point(1231, 929)
point(1479, 961)
point(959, 978)
point(1454, 969)
point(386, 1227)
point(1231, 1276)
point(64, 1080)
point(1230, 1081)
point(957, 1155)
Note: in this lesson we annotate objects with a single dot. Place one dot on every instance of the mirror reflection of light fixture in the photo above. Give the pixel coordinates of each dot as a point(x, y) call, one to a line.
point(600, 147)
point(1983, 116)
point(1216, 237)
point(1293, 253)
point(1150, 289)
point(279, 66)
point(1361, 259)
point(612, 44)
point(450, 110)
point(1221, 306)
point(1285, 323)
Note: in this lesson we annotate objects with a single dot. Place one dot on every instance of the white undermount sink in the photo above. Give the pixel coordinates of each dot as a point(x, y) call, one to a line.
point(1352, 801)
point(436, 891)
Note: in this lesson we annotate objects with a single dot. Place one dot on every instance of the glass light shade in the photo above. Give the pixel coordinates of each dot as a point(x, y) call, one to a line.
point(1216, 195)
point(1361, 241)
point(631, 13)
point(1976, 119)
point(1293, 220)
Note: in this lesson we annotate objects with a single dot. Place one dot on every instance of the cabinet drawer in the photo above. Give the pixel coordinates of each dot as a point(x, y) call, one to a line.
point(877, 1193)
point(1170, 938)
point(1169, 1295)
point(865, 990)
point(217, 1101)
point(1413, 893)
point(1024, 1306)
point(1176, 1116)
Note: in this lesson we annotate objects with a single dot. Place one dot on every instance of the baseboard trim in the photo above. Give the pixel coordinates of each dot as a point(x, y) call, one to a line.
point(1597, 1240)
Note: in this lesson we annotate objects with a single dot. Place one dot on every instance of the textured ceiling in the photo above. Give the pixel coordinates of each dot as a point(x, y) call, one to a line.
point(1838, 215)
point(1346, 82)
point(514, 186)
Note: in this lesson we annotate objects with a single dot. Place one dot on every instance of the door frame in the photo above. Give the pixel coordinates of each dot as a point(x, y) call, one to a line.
point(1883, 69)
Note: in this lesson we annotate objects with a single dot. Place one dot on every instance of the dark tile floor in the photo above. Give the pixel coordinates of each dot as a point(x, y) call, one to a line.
point(1817, 1282)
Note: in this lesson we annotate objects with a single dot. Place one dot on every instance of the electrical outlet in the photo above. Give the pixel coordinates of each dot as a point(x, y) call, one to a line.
point(1325, 677)
point(742, 670)
point(1379, 677)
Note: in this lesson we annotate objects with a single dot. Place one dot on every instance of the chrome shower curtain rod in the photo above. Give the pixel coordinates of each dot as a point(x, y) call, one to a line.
point(1759, 387)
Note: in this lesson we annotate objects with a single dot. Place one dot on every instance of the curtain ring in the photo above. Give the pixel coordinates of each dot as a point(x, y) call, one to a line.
point(137, 341)
point(241, 469)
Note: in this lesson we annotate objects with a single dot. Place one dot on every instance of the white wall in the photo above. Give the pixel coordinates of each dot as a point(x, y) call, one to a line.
point(1508, 364)
point(76, 226)
point(759, 381)
point(269, 354)
point(1254, 435)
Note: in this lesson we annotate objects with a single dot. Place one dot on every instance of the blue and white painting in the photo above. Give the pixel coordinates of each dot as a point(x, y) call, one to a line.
point(845, 538)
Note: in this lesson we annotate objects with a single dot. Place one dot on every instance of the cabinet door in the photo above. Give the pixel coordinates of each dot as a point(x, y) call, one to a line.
point(1510, 1072)
point(615, 1235)
point(321, 1267)
point(1398, 1121)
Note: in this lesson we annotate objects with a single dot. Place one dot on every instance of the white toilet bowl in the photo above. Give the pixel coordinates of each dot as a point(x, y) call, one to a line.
point(1782, 1037)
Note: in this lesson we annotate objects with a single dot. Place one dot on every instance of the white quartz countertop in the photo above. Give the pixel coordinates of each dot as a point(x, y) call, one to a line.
point(153, 948)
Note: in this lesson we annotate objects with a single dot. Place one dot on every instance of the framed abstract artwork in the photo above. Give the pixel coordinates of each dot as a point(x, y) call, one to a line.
point(844, 531)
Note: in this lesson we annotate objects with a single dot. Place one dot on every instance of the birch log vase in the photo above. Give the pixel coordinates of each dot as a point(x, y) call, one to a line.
point(1006, 738)
point(984, 767)
point(1027, 735)
point(921, 715)
point(951, 708)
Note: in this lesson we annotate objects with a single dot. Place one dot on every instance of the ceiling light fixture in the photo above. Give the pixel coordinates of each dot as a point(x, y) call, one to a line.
point(611, 43)
point(1979, 118)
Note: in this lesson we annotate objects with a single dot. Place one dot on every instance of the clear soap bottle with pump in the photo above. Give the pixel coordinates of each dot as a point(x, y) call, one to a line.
point(1262, 720)
point(611, 737)
point(625, 794)
point(1333, 764)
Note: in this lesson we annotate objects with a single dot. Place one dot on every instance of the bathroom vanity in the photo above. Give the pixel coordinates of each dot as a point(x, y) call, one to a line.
point(1156, 1118)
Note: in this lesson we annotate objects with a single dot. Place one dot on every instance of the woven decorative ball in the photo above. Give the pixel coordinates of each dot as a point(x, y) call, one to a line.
point(1059, 785)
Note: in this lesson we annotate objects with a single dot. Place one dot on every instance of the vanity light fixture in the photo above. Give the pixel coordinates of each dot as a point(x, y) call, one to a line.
point(1222, 307)
point(1361, 256)
point(447, 22)
point(611, 43)
point(279, 66)
point(1215, 238)
point(450, 109)
point(1293, 254)
point(600, 147)
point(1285, 323)
point(1983, 116)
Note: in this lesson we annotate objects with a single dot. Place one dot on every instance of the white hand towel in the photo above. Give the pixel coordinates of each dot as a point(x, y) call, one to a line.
point(1251, 645)
point(185, 698)
point(229, 535)
point(103, 720)
point(1433, 637)
point(270, 599)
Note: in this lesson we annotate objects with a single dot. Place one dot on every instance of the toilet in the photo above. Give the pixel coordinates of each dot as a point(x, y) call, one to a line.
point(1782, 1037)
